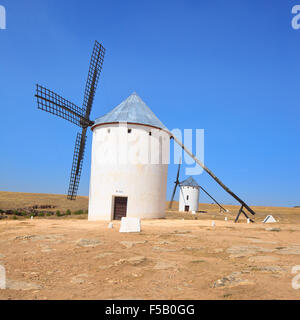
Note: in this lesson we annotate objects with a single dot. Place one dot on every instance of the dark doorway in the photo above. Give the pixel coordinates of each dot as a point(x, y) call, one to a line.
point(120, 208)
point(187, 208)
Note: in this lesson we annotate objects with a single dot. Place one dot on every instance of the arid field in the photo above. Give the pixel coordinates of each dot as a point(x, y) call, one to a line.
point(180, 257)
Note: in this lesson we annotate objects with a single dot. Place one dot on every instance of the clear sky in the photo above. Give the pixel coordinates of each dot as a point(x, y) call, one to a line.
point(230, 67)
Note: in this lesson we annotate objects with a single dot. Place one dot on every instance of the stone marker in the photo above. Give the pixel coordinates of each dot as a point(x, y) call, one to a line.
point(226, 219)
point(193, 212)
point(111, 225)
point(213, 224)
point(31, 217)
point(130, 225)
point(269, 219)
point(248, 221)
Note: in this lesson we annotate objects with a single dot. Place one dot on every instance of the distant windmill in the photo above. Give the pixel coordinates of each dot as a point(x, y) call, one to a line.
point(51, 102)
point(244, 205)
point(177, 182)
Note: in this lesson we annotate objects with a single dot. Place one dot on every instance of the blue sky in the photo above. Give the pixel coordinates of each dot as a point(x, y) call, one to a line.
point(230, 67)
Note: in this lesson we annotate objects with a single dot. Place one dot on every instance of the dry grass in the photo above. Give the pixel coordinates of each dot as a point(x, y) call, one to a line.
point(15, 200)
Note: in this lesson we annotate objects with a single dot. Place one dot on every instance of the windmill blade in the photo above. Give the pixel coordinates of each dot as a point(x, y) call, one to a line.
point(77, 164)
point(93, 77)
point(51, 102)
point(176, 184)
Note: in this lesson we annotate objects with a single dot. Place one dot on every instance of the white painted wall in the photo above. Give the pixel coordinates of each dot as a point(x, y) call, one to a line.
point(193, 198)
point(142, 179)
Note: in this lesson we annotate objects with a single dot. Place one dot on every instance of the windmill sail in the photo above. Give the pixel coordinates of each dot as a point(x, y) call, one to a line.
point(77, 164)
point(96, 65)
point(53, 103)
point(90, 89)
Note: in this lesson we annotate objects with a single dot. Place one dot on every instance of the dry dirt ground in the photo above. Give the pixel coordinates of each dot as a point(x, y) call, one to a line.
point(70, 258)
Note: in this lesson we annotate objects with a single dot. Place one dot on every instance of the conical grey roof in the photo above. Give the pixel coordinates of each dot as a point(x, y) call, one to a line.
point(133, 110)
point(189, 182)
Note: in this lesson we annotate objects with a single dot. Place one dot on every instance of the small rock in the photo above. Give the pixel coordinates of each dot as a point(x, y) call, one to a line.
point(163, 249)
point(133, 261)
point(197, 261)
point(273, 269)
point(218, 250)
point(78, 279)
point(273, 229)
point(231, 281)
point(262, 259)
point(261, 241)
point(21, 285)
point(290, 250)
point(88, 243)
point(164, 242)
point(246, 250)
point(192, 249)
point(181, 231)
point(130, 244)
point(106, 267)
point(103, 255)
point(162, 265)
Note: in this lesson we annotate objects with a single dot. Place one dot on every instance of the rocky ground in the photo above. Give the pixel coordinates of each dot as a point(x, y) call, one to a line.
point(170, 259)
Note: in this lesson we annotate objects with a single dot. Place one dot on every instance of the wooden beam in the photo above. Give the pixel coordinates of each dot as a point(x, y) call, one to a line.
point(210, 173)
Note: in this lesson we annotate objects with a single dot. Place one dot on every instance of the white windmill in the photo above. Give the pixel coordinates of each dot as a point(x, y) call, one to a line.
point(189, 195)
point(130, 154)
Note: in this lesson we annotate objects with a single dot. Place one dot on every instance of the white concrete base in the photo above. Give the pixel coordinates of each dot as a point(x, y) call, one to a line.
point(269, 219)
point(130, 225)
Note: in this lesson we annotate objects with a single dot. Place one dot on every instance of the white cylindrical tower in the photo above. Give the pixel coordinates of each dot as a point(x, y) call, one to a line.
point(189, 195)
point(130, 155)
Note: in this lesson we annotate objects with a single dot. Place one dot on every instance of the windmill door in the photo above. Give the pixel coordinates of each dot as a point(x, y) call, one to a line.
point(187, 208)
point(120, 208)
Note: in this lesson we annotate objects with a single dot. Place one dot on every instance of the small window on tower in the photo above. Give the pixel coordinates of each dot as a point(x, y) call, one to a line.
point(129, 130)
point(187, 197)
point(150, 133)
point(108, 130)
